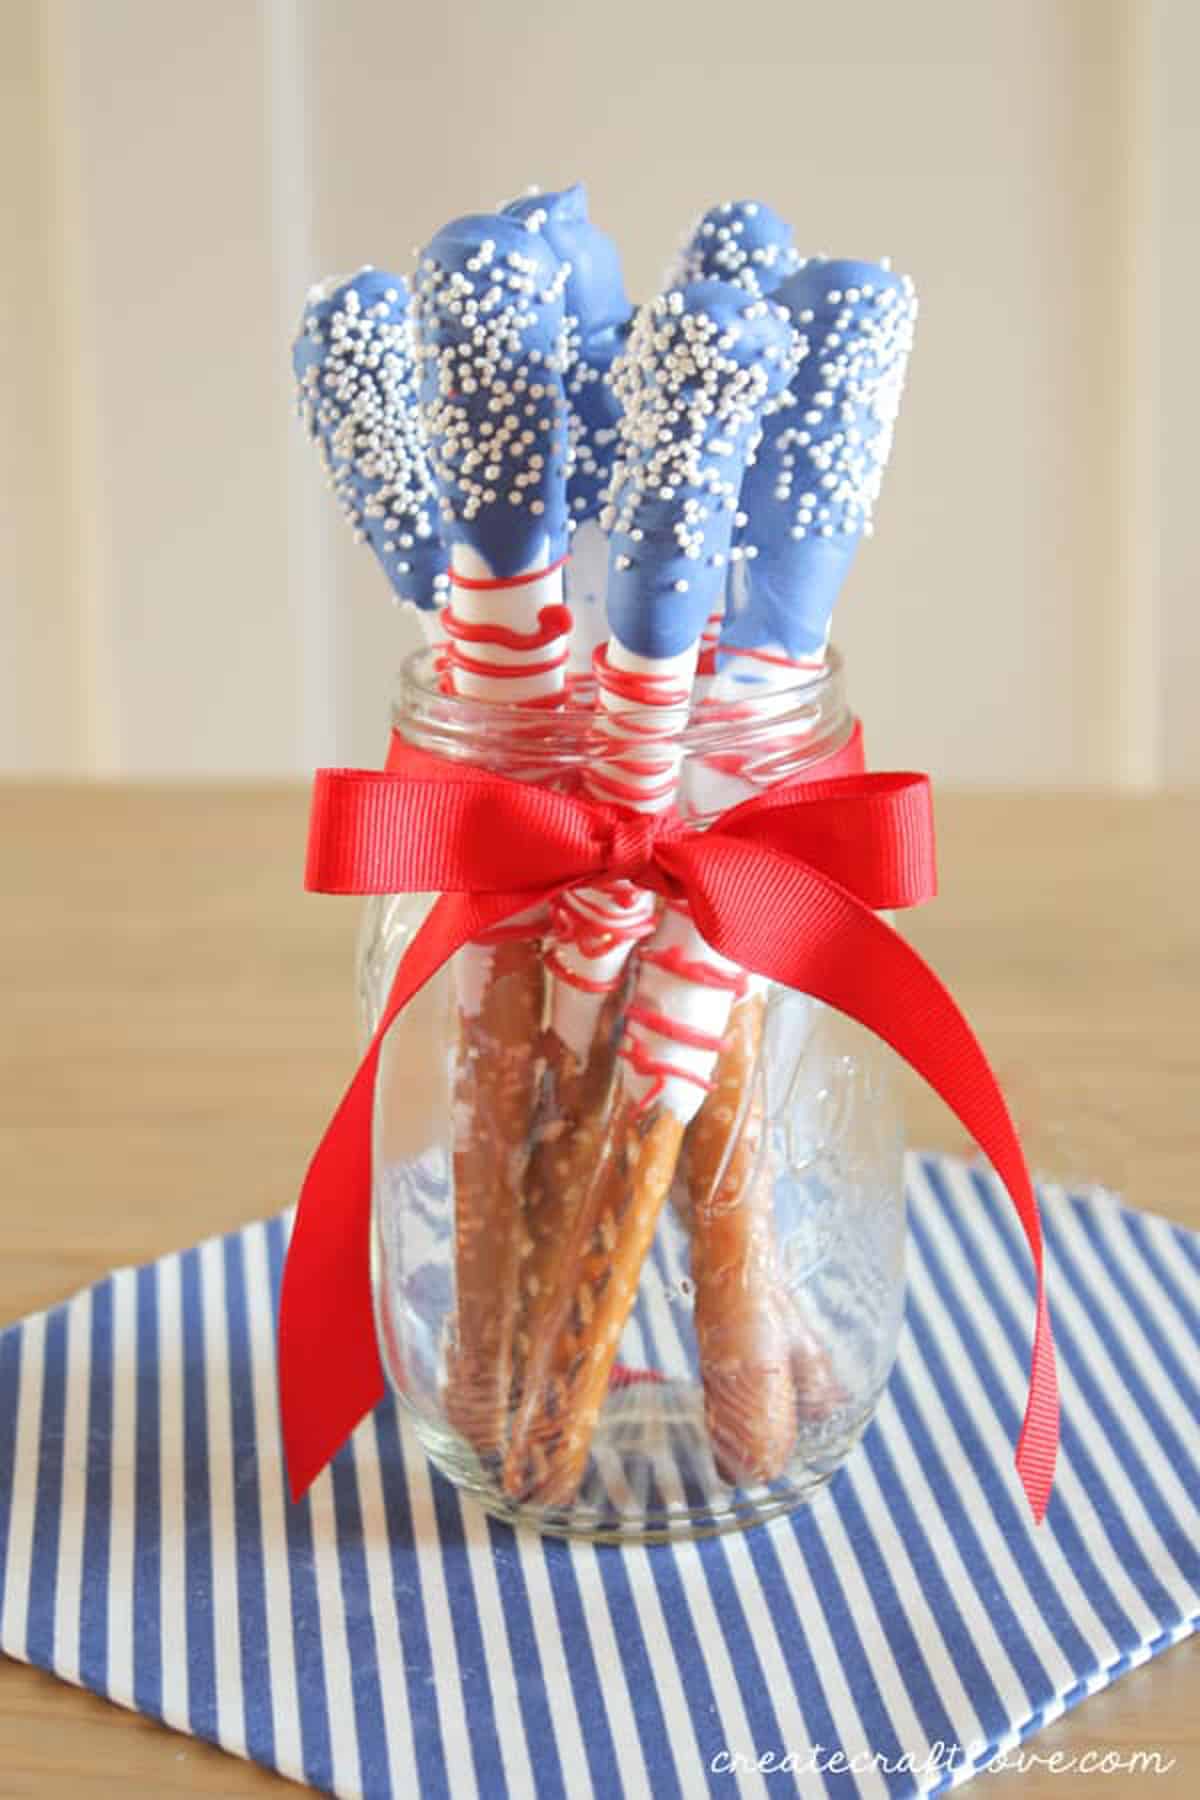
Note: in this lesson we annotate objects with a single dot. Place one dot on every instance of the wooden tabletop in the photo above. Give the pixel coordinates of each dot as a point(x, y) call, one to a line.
point(177, 1023)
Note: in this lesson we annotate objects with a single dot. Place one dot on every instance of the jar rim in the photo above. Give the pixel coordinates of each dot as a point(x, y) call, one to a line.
point(815, 709)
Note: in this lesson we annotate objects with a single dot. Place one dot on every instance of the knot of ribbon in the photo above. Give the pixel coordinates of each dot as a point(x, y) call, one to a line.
point(634, 842)
point(787, 884)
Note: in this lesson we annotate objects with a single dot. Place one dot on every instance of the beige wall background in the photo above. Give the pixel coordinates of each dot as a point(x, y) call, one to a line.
point(177, 596)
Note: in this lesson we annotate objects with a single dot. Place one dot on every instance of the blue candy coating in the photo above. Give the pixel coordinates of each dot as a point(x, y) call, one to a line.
point(702, 363)
point(595, 292)
point(598, 317)
point(743, 241)
point(490, 344)
point(353, 361)
point(809, 496)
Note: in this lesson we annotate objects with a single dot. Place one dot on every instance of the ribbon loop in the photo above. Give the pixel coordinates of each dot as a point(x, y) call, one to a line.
point(785, 885)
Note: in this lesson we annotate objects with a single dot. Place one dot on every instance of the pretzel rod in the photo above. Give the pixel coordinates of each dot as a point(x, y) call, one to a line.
point(495, 1074)
point(567, 1143)
point(674, 1037)
point(742, 1324)
point(807, 500)
point(490, 348)
point(701, 364)
point(743, 242)
point(729, 1187)
point(753, 1345)
point(517, 632)
point(571, 1361)
point(595, 931)
point(575, 1090)
point(636, 761)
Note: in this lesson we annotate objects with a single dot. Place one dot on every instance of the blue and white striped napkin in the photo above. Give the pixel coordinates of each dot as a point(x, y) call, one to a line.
point(383, 1637)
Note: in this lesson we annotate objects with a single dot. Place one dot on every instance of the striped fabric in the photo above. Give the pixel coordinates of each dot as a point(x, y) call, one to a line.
point(384, 1638)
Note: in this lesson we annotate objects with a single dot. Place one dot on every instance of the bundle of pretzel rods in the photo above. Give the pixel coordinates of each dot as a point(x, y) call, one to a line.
point(492, 427)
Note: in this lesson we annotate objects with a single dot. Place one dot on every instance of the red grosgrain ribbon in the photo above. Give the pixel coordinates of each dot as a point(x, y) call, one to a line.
point(786, 884)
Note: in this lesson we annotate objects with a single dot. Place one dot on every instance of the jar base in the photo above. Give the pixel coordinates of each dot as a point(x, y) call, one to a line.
point(651, 1479)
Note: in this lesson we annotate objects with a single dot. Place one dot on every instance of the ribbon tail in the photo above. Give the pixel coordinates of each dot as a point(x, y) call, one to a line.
point(785, 920)
point(330, 1375)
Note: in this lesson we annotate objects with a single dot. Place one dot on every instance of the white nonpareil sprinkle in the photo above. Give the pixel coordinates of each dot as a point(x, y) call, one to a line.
point(860, 345)
point(725, 245)
point(688, 402)
point(471, 342)
point(359, 405)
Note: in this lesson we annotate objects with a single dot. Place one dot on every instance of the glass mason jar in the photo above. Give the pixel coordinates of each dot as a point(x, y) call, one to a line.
point(765, 1298)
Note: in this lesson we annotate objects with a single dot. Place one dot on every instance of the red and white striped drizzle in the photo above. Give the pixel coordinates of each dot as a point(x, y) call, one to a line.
point(686, 990)
point(676, 1023)
point(635, 760)
point(506, 643)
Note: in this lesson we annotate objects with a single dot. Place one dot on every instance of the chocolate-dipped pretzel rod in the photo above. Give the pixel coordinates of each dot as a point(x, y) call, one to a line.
point(702, 362)
point(595, 930)
point(808, 501)
point(490, 349)
point(590, 943)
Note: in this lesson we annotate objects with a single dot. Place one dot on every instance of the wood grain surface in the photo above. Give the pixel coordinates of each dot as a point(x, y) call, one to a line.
point(177, 1025)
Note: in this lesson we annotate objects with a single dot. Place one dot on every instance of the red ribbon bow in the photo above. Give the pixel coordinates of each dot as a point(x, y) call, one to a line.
point(786, 884)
